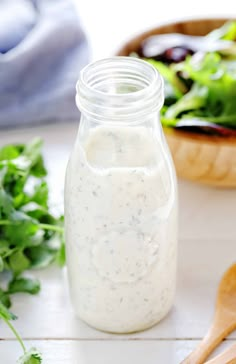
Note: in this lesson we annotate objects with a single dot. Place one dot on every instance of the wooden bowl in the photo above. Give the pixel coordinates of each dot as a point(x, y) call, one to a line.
point(201, 158)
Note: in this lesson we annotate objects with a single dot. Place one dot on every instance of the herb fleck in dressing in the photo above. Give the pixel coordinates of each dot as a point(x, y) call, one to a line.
point(120, 229)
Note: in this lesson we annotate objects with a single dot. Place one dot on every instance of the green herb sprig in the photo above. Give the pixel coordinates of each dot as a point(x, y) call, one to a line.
point(31, 237)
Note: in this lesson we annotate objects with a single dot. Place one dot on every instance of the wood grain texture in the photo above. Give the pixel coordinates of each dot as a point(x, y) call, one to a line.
point(224, 321)
point(200, 158)
point(228, 356)
point(203, 159)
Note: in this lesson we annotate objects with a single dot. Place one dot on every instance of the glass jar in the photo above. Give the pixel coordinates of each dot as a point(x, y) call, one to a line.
point(121, 200)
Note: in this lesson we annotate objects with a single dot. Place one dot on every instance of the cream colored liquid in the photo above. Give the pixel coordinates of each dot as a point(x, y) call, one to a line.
point(121, 231)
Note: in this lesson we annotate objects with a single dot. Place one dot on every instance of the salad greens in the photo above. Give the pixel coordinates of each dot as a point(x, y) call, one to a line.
point(31, 237)
point(203, 86)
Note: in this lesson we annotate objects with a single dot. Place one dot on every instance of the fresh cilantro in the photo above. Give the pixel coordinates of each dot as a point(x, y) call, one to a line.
point(31, 357)
point(27, 285)
point(30, 235)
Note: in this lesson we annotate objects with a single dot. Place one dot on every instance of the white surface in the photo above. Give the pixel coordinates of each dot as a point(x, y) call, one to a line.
point(105, 352)
point(206, 249)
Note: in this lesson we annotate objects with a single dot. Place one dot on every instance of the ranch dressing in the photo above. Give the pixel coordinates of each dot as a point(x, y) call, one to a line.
point(121, 226)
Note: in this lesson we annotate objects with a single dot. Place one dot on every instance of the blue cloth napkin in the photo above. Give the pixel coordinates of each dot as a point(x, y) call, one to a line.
point(42, 50)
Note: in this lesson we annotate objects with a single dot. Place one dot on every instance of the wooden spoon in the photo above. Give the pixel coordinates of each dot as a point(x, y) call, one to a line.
point(224, 321)
point(227, 357)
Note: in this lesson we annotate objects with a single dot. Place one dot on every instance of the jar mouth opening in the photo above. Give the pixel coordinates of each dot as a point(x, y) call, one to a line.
point(118, 69)
point(119, 86)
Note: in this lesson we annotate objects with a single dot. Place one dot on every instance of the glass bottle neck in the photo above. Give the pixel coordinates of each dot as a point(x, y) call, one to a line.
point(120, 90)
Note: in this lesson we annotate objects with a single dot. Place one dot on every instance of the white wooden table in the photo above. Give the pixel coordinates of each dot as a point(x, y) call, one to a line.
point(207, 239)
point(207, 246)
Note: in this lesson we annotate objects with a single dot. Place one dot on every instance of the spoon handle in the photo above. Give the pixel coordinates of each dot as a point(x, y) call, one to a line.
point(228, 357)
point(222, 326)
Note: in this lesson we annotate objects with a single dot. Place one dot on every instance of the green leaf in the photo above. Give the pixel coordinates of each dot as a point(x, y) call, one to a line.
point(32, 150)
point(41, 256)
point(229, 120)
point(168, 122)
point(5, 298)
point(6, 203)
point(61, 255)
point(40, 195)
point(170, 76)
point(4, 247)
point(18, 262)
point(39, 169)
point(34, 210)
point(9, 152)
point(3, 172)
point(1, 264)
point(20, 199)
point(5, 314)
point(20, 165)
point(26, 285)
point(31, 357)
point(33, 153)
point(30, 236)
point(193, 100)
point(23, 230)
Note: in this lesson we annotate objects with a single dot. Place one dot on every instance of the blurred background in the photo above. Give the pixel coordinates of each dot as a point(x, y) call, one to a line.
point(108, 23)
point(45, 43)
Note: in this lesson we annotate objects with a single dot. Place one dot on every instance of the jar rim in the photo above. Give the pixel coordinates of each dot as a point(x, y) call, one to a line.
point(103, 104)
